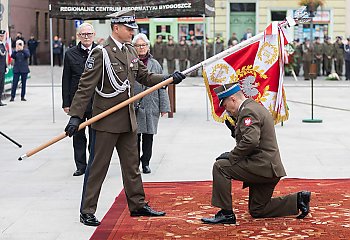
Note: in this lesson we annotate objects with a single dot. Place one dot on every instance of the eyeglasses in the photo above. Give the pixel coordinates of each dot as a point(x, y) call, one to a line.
point(141, 45)
point(86, 34)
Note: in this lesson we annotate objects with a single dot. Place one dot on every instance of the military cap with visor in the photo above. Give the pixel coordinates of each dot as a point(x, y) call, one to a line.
point(125, 17)
point(2, 32)
point(226, 90)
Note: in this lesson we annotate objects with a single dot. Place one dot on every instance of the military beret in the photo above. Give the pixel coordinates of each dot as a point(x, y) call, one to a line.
point(226, 90)
point(2, 32)
point(125, 17)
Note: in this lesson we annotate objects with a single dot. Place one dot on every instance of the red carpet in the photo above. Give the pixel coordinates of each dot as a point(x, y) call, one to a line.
point(187, 202)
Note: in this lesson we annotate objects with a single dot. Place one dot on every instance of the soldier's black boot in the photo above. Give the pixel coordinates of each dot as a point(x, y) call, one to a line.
point(303, 203)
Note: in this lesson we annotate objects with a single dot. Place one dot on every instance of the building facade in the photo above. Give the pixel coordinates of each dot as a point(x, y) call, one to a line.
point(32, 17)
point(254, 15)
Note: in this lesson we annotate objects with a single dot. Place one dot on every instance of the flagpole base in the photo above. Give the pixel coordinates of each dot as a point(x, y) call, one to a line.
point(312, 120)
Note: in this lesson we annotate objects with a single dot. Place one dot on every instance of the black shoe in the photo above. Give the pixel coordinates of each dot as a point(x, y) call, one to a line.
point(89, 219)
point(146, 169)
point(220, 217)
point(303, 203)
point(23, 99)
point(79, 172)
point(12, 99)
point(2, 104)
point(146, 211)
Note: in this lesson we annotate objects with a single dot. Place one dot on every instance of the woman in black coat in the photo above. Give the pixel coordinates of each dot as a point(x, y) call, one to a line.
point(20, 69)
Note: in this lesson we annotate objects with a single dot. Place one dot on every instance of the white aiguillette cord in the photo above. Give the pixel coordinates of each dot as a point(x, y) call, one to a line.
point(118, 85)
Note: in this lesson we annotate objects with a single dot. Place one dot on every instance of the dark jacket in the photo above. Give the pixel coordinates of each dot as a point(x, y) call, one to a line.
point(21, 61)
point(74, 65)
point(32, 45)
point(3, 64)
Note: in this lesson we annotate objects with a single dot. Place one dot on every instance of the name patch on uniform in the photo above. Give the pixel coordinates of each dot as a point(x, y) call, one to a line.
point(90, 62)
point(248, 122)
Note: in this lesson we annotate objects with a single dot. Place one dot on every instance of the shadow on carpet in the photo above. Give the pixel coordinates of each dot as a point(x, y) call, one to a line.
point(187, 202)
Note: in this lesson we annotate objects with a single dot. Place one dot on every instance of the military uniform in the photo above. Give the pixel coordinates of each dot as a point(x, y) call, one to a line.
point(195, 56)
point(118, 130)
point(339, 57)
point(170, 55)
point(328, 53)
point(158, 52)
point(255, 160)
point(318, 53)
point(307, 59)
point(182, 54)
point(209, 49)
point(298, 54)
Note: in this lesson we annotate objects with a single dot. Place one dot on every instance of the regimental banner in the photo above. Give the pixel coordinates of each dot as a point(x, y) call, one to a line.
point(144, 9)
point(259, 70)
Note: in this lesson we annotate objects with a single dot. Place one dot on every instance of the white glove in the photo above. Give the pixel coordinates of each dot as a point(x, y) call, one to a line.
point(6, 71)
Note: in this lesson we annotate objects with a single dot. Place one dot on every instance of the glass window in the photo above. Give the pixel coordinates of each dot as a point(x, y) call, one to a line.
point(242, 7)
point(278, 15)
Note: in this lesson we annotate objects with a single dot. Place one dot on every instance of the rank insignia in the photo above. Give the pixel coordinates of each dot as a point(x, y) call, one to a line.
point(90, 63)
point(248, 122)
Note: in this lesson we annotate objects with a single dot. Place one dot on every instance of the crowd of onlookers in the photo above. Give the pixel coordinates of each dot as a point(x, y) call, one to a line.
point(328, 56)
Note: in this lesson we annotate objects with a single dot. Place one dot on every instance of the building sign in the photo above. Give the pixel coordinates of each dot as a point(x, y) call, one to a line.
point(322, 17)
point(144, 9)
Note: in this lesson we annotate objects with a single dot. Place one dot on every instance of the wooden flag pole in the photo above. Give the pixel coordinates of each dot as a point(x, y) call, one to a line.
point(288, 22)
point(98, 117)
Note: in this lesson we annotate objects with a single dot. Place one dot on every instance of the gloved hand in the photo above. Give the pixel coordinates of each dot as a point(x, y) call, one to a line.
point(231, 127)
point(223, 156)
point(72, 126)
point(177, 77)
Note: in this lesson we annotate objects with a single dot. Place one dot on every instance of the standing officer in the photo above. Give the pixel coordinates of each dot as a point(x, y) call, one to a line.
point(307, 58)
point(170, 55)
point(255, 161)
point(74, 64)
point(298, 54)
point(32, 46)
point(110, 72)
point(339, 56)
point(158, 50)
point(318, 52)
point(195, 55)
point(3, 66)
point(182, 55)
point(328, 53)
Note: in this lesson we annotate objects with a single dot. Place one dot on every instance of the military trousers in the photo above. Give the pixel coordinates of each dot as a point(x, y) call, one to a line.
point(160, 60)
point(261, 203)
point(171, 65)
point(327, 65)
point(102, 146)
point(306, 69)
point(338, 66)
point(182, 65)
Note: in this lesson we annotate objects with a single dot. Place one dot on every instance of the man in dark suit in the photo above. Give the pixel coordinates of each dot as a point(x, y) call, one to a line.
point(74, 64)
point(255, 161)
point(3, 65)
point(20, 69)
point(110, 72)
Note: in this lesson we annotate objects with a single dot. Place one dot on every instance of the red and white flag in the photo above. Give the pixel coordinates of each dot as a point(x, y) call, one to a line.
point(259, 70)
